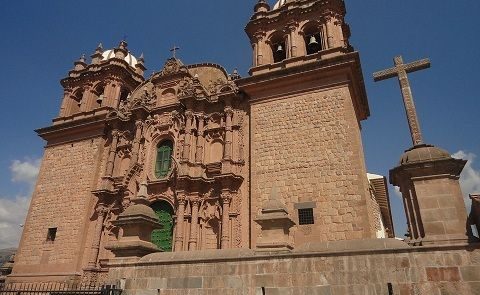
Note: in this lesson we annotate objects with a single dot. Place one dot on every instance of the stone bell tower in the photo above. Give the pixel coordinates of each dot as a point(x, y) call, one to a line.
point(307, 99)
point(62, 237)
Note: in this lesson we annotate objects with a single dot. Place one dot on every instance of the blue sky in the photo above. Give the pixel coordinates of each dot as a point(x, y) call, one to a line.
point(41, 39)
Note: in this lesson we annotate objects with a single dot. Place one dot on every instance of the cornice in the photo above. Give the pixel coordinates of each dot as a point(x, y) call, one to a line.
point(347, 63)
point(294, 10)
point(73, 130)
point(113, 66)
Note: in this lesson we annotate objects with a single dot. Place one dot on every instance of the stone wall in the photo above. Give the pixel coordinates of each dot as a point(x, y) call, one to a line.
point(337, 268)
point(307, 148)
point(62, 200)
point(475, 214)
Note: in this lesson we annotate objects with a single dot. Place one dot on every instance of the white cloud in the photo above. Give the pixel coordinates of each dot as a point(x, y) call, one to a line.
point(397, 192)
point(470, 177)
point(13, 210)
point(12, 216)
point(25, 171)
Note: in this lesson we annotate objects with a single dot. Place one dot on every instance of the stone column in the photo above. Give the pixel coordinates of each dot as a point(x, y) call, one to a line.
point(330, 31)
point(192, 243)
point(112, 153)
point(102, 212)
point(292, 28)
point(226, 200)
point(136, 141)
point(65, 104)
point(200, 140)
point(180, 218)
point(259, 37)
point(227, 155)
point(188, 137)
point(255, 54)
point(87, 98)
point(112, 94)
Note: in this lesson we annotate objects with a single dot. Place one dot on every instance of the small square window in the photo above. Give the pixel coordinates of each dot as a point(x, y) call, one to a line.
point(305, 216)
point(52, 234)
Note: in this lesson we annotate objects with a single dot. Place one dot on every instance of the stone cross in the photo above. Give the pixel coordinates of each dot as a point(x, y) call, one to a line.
point(401, 70)
point(174, 50)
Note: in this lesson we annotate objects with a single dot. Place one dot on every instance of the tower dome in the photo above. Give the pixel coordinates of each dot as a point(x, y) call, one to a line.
point(130, 59)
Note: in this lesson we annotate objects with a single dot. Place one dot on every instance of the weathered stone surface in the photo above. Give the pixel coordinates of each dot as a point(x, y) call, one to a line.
point(412, 270)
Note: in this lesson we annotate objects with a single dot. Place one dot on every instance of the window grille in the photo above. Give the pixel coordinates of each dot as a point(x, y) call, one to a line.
point(305, 216)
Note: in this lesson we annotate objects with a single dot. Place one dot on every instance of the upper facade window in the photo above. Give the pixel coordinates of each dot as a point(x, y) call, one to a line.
point(163, 161)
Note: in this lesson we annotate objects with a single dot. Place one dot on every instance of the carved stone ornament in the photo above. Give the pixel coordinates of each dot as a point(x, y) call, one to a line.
point(186, 87)
point(222, 86)
point(145, 96)
point(174, 120)
point(172, 66)
point(210, 210)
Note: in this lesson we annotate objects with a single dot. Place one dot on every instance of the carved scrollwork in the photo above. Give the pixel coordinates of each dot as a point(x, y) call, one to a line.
point(210, 210)
point(157, 123)
point(145, 96)
point(220, 86)
point(172, 66)
point(190, 87)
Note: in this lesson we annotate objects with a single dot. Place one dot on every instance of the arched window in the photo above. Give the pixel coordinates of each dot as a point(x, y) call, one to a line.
point(163, 237)
point(76, 102)
point(279, 48)
point(163, 161)
point(313, 40)
point(99, 95)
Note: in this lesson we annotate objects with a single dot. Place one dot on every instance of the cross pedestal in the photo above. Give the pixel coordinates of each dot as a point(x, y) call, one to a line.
point(428, 177)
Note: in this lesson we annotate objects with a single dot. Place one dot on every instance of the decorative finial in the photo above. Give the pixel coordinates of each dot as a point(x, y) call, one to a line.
point(235, 75)
point(123, 44)
point(141, 58)
point(80, 63)
point(97, 55)
point(261, 6)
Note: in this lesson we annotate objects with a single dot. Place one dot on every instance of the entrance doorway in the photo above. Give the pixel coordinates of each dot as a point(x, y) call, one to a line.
point(163, 237)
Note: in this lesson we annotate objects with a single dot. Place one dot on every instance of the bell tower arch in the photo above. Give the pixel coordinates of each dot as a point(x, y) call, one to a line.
point(295, 32)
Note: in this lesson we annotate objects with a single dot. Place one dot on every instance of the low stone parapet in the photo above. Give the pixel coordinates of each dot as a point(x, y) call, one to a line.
point(372, 268)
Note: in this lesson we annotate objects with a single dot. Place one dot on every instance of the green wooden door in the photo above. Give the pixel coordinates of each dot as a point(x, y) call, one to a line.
point(163, 161)
point(163, 237)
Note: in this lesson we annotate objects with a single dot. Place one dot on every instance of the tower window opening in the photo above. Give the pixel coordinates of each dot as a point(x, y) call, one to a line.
point(100, 96)
point(305, 216)
point(163, 161)
point(279, 52)
point(124, 95)
point(313, 43)
point(51, 234)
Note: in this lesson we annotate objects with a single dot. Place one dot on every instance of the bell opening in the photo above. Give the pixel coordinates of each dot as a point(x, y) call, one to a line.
point(279, 52)
point(313, 43)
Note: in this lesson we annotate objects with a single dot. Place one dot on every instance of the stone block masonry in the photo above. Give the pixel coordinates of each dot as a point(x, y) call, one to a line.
point(307, 148)
point(62, 200)
point(338, 269)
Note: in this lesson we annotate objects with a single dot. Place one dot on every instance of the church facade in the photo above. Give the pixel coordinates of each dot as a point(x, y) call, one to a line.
point(196, 168)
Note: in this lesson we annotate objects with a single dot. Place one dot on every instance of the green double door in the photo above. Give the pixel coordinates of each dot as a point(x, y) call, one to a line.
point(163, 237)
